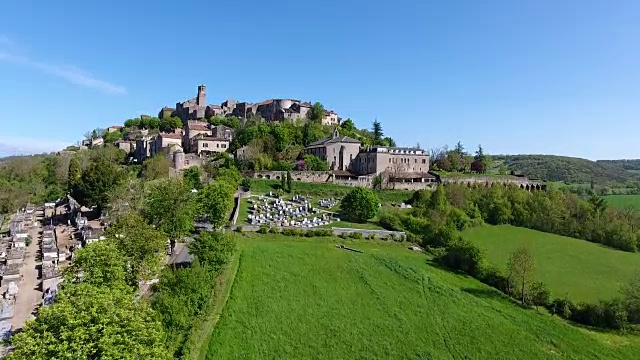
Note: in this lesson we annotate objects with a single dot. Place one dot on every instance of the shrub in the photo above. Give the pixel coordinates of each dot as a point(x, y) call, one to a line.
point(463, 255)
point(343, 236)
point(246, 183)
point(413, 238)
point(263, 229)
point(371, 237)
point(360, 204)
point(239, 228)
point(274, 230)
point(356, 235)
point(292, 232)
point(390, 221)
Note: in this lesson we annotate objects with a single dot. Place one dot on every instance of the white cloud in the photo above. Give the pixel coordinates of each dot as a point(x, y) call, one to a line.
point(71, 74)
point(16, 145)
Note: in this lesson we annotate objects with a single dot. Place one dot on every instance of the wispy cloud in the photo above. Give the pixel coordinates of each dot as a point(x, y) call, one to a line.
point(18, 145)
point(71, 74)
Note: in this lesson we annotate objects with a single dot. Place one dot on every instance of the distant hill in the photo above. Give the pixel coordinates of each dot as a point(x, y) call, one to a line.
point(570, 169)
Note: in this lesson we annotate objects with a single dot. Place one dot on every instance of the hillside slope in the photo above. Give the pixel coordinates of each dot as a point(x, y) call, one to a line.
point(564, 168)
point(303, 299)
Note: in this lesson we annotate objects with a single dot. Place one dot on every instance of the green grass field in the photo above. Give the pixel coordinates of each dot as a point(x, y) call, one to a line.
point(307, 299)
point(624, 201)
point(583, 270)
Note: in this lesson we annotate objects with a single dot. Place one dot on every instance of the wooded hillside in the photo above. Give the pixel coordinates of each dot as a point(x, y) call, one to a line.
point(568, 169)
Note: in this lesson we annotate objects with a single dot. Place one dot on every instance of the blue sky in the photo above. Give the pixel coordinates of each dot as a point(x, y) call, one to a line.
point(550, 77)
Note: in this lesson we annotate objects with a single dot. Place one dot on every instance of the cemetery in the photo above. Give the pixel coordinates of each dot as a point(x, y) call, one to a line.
point(273, 210)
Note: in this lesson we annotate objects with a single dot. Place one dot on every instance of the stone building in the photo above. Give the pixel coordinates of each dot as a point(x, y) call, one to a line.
point(377, 159)
point(270, 110)
point(192, 129)
point(206, 145)
point(165, 141)
point(338, 151)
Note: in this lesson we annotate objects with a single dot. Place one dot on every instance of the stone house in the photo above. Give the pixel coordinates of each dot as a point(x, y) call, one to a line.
point(338, 151)
point(164, 141)
point(205, 145)
point(377, 159)
point(330, 118)
point(194, 128)
point(114, 128)
point(166, 112)
point(222, 132)
point(129, 146)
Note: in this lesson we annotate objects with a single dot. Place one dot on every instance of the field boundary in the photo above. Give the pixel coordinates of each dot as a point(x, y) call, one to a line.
point(201, 334)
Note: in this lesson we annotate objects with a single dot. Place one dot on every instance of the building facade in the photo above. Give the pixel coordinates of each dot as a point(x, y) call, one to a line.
point(338, 151)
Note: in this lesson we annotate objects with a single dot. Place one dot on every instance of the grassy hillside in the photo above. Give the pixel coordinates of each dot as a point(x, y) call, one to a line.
point(585, 271)
point(302, 299)
point(569, 169)
point(624, 201)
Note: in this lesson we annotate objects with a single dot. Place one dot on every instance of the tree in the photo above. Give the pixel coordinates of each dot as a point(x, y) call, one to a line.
point(348, 125)
point(540, 295)
point(91, 322)
point(132, 123)
point(100, 264)
point(314, 163)
point(170, 207)
point(316, 113)
point(156, 167)
point(75, 173)
point(631, 298)
point(376, 182)
point(360, 204)
point(141, 245)
point(377, 132)
point(521, 270)
point(289, 182)
point(283, 181)
point(231, 175)
point(312, 131)
point(191, 178)
point(169, 124)
point(213, 249)
point(101, 177)
point(479, 164)
point(216, 201)
point(112, 136)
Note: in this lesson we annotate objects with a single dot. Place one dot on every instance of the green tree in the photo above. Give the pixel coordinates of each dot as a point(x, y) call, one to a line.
point(156, 167)
point(540, 295)
point(141, 245)
point(192, 178)
point(289, 182)
point(311, 132)
point(377, 132)
point(316, 113)
point(170, 207)
point(213, 249)
point(521, 270)
point(283, 181)
point(97, 180)
point(75, 173)
point(113, 136)
point(631, 298)
point(230, 175)
point(91, 322)
point(169, 124)
point(216, 201)
point(348, 125)
point(132, 123)
point(360, 204)
point(100, 263)
point(314, 163)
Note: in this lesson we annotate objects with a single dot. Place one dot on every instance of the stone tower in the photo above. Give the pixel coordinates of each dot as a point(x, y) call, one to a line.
point(178, 159)
point(202, 96)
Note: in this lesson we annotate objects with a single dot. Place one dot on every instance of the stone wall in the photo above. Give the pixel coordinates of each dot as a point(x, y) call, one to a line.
point(305, 176)
point(521, 181)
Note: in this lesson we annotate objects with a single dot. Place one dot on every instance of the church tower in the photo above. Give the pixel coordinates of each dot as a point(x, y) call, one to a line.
point(202, 96)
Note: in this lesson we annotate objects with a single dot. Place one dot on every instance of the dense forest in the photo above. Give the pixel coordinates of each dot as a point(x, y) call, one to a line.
point(569, 169)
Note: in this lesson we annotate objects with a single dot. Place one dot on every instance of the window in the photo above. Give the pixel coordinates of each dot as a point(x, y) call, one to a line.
point(415, 161)
point(205, 145)
point(389, 160)
point(424, 161)
point(224, 146)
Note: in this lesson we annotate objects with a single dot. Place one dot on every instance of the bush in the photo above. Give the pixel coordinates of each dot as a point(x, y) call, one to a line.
point(356, 235)
point(360, 204)
point(390, 221)
point(371, 237)
point(246, 183)
point(239, 228)
point(463, 255)
point(274, 230)
point(413, 238)
point(292, 232)
point(493, 276)
point(263, 229)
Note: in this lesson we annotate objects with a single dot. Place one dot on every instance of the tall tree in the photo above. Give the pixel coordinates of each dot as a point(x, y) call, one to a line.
point(213, 249)
point(100, 263)
point(141, 245)
point(170, 207)
point(348, 125)
point(192, 178)
point(75, 173)
point(316, 114)
point(377, 132)
point(216, 201)
point(98, 179)
point(289, 182)
point(521, 269)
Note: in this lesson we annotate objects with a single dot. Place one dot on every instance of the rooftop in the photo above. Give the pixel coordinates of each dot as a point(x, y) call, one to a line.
point(336, 138)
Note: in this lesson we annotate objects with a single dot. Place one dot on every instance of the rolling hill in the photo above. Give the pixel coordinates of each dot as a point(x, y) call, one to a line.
point(570, 169)
point(305, 298)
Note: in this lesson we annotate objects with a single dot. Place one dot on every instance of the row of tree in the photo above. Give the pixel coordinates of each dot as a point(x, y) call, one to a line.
point(459, 160)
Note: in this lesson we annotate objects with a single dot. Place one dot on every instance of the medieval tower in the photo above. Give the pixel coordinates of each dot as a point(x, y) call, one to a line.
point(201, 100)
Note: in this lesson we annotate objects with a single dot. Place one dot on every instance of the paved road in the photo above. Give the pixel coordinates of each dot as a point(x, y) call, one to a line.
point(29, 294)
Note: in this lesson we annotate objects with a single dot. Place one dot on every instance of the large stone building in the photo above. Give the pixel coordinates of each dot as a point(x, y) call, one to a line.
point(397, 164)
point(338, 151)
point(270, 110)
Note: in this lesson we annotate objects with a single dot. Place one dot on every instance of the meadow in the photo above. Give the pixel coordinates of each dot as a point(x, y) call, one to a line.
point(582, 270)
point(624, 201)
point(305, 298)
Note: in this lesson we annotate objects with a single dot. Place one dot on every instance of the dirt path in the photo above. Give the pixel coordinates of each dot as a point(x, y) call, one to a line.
point(29, 294)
